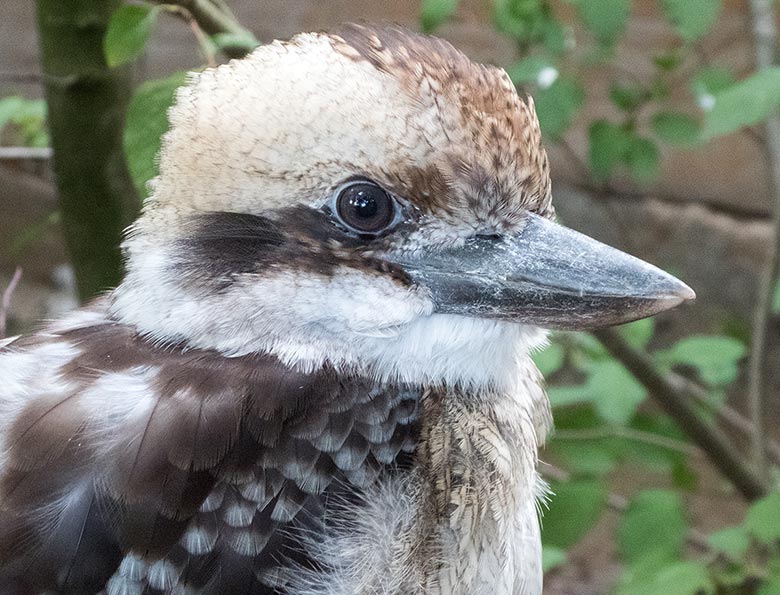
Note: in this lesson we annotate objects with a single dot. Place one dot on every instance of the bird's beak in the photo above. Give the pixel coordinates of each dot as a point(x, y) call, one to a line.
point(546, 275)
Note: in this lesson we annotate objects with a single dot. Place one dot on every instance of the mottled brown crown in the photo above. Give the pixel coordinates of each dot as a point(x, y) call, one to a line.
point(292, 121)
point(495, 161)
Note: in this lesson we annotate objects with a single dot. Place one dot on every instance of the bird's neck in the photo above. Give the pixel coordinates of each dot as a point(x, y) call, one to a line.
point(478, 455)
point(432, 350)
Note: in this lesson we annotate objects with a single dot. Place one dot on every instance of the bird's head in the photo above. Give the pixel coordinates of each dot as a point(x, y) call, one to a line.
point(369, 197)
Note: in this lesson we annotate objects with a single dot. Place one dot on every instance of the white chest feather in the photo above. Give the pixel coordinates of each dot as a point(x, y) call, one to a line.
point(464, 522)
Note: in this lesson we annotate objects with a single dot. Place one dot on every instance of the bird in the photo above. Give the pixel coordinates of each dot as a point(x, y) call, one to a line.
point(315, 376)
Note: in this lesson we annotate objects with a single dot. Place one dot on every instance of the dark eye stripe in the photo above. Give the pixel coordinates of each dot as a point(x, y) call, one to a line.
point(219, 247)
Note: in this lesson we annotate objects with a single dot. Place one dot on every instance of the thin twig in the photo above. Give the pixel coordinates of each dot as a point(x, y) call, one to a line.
point(25, 153)
point(224, 7)
point(630, 434)
point(727, 414)
point(765, 33)
point(204, 43)
point(5, 301)
point(674, 398)
point(206, 46)
point(213, 19)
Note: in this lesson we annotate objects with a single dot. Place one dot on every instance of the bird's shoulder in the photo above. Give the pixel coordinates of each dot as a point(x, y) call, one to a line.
point(116, 445)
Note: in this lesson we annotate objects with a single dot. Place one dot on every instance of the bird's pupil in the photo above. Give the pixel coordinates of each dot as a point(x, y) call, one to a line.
point(365, 206)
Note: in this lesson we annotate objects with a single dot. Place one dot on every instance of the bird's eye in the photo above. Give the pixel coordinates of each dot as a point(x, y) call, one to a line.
point(364, 207)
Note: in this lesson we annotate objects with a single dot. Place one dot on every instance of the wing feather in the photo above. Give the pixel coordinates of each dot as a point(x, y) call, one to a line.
point(131, 467)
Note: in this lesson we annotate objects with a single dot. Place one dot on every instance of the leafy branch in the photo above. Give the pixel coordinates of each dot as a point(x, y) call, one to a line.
point(214, 17)
point(675, 397)
point(620, 504)
point(212, 23)
point(630, 434)
point(765, 33)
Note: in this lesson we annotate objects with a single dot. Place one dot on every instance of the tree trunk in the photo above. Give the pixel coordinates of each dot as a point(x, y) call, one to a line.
point(87, 103)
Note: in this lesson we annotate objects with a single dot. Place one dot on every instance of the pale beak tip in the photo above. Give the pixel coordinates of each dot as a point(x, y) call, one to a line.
point(684, 292)
point(680, 294)
point(667, 287)
point(687, 293)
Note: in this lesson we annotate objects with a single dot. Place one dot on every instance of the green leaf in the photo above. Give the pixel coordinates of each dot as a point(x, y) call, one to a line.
point(763, 518)
point(711, 80)
point(679, 578)
point(676, 128)
point(683, 476)
point(242, 41)
point(583, 458)
point(29, 116)
point(557, 105)
point(553, 36)
point(563, 396)
point(733, 541)
point(776, 298)
point(730, 578)
point(707, 82)
point(608, 147)
point(527, 70)
point(668, 61)
point(653, 528)
point(627, 97)
point(643, 159)
point(639, 333)
point(606, 19)
point(434, 12)
point(683, 578)
point(656, 457)
point(590, 347)
point(692, 18)
point(147, 121)
point(18, 110)
point(770, 587)
point(579, 417)
point(9, 107)
point(574, 508)
point(615, 392)
point(715, 358)
point(523, 20)
point(128, 31)
point(744, 103)
point(552, 557)
point(549, 359)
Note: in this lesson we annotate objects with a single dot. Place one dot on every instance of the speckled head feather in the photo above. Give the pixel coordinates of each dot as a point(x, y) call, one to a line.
point(295, 119)
point(493, 160)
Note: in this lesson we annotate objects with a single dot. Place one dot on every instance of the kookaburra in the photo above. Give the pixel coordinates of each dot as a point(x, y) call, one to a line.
point(315, 377)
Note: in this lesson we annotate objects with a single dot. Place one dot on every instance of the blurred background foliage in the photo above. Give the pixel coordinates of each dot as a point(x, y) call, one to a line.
point(643, 418)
